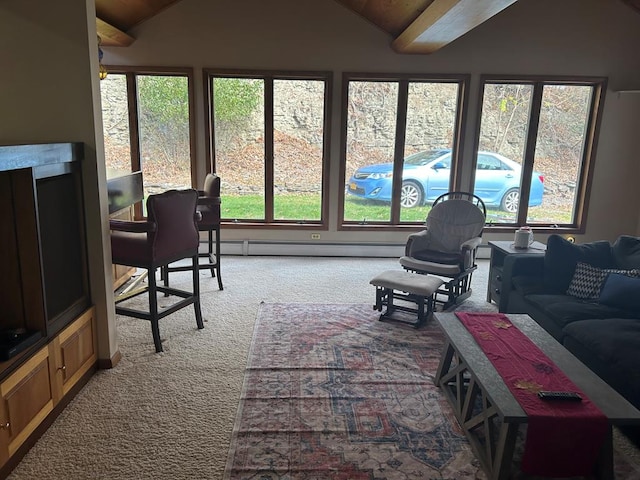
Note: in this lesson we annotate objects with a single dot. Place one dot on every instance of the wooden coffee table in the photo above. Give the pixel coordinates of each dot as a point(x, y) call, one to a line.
point(487, 411)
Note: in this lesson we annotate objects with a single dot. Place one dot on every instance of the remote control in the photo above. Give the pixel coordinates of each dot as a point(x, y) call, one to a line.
point(568, 396)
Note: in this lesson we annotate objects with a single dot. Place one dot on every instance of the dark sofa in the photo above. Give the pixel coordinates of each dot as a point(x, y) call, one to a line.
point(588, 297)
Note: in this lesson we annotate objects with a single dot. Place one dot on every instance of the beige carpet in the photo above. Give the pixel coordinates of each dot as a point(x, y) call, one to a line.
point(170, 415)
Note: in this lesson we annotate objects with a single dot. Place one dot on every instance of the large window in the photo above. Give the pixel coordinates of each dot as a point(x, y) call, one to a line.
point(148, 126)
point(401, 134)
point(269, 136)
point(400, 147)
point(535, 150)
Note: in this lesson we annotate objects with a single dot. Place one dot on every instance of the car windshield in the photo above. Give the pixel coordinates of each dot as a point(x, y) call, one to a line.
point(422, 158)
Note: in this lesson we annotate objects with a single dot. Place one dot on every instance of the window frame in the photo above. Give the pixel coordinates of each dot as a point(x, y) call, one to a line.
point(269, 76)
point(587, 164)
point(403, 79)
point(131, 73)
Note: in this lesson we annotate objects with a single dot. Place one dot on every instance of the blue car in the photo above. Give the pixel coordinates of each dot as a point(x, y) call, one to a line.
point(425, 176)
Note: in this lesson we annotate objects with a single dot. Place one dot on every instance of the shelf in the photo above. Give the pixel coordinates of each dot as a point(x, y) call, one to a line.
point(14, 157)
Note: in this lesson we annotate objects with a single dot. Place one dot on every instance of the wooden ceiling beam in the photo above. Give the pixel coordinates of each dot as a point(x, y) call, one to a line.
point(111, 36)
point(445, 20)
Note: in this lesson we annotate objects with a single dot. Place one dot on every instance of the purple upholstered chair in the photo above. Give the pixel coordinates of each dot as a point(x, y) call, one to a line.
point(170, 233)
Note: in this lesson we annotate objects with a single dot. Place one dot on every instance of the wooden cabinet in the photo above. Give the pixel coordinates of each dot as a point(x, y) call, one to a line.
point(32, 391)
point(25, 401)
point(73, 352)
point(47, 323)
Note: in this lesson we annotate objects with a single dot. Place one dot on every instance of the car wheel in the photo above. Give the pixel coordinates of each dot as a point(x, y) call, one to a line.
point(510, 201)
point(411, 195)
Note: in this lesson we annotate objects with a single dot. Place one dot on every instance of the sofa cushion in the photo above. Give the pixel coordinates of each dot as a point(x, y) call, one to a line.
point(621, 291)
point(626, 252)
point(611, 348)
point(587, 280)
point(561, 257)
point(614, 340)
point(564, 309)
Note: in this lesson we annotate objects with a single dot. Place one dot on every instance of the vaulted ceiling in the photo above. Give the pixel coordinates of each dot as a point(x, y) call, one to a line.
point(416, 26)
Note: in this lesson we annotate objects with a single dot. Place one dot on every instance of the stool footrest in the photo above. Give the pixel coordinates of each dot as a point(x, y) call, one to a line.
point(411, 288)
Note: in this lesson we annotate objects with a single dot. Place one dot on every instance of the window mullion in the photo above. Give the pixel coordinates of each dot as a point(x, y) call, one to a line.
point(529, 154)
point(210, 151)
point(398, 153)
point(134, 134)
point(268, 150)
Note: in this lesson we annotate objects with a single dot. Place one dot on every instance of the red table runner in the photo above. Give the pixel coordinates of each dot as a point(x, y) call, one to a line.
point(563, 438)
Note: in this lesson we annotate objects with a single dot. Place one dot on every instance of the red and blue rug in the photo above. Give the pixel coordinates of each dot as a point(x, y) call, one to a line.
point(332, 393)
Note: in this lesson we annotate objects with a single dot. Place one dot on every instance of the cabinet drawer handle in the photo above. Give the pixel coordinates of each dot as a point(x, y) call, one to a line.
point(497, 290)
point(499, 278)
point(63, 368)
point(5, 426)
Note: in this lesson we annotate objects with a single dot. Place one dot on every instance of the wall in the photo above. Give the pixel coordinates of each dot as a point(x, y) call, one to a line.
point(618, 167)
point(48, 92)
point(572, 37)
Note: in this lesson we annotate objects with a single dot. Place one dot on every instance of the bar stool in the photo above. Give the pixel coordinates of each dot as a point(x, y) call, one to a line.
point(209, 207)
point(169, 234)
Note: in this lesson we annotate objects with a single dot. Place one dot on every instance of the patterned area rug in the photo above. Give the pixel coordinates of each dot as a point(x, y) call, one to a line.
point(332, 393)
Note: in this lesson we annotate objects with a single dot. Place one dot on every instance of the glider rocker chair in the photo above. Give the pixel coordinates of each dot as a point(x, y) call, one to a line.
point(170, 233)
point(209, 208)
point(447, 246)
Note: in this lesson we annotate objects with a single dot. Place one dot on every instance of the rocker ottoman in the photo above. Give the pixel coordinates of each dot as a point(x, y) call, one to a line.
point(407, 287)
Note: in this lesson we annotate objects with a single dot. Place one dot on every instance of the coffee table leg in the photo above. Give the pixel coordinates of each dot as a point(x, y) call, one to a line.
point(505, 448)
point(495, 457)
point(445, 363)
point(604, 465)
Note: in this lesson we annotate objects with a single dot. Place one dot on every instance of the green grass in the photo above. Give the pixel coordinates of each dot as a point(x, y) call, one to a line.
point(250, 207)
point(307, 207)
point(360, 210)
point(286, 207)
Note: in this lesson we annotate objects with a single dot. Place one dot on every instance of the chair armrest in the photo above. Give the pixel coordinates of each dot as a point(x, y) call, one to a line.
point(468, 250)
point(140, 226)
point(209, 201)
point(471, 244)
point(416, 241)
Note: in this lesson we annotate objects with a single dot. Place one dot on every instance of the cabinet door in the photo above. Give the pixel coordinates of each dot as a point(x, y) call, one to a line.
point(73, 353)
point(25, 400)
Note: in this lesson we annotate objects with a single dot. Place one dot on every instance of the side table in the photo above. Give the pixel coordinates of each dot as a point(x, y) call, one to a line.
point(499, 251)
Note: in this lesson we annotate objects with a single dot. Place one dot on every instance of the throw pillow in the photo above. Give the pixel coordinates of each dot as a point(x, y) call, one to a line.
point(561, 258)
point(621, 291)
point(626, 252)
point(587, 280)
